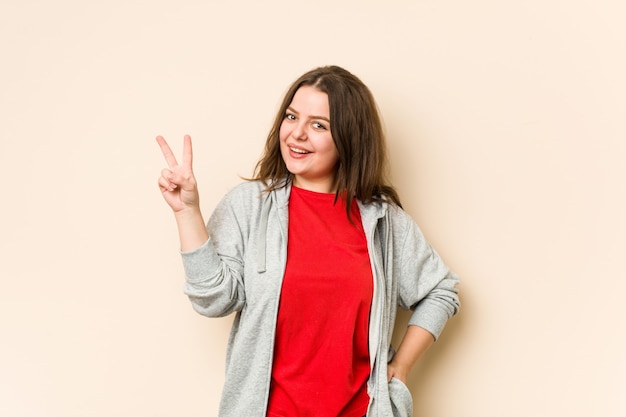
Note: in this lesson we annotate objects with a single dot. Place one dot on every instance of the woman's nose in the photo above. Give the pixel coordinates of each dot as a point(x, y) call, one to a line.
point(299, 132)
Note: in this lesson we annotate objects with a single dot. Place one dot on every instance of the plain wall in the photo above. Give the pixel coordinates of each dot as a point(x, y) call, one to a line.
point(508, 146)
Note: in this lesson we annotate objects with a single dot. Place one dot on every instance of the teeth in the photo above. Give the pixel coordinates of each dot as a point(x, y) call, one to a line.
point(296, 150)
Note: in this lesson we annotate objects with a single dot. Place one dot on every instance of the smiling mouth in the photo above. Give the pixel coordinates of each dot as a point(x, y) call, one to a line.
point(298, 150)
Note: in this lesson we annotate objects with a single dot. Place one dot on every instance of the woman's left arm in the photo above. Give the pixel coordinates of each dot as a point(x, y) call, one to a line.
point(426, 286)
point(415, 342)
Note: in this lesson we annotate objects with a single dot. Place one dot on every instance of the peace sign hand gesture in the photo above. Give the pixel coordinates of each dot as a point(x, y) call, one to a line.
point(179, 188)
point(177, 182)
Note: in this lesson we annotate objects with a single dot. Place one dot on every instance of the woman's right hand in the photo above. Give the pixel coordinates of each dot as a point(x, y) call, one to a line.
point(179, 188)
point(177, 182)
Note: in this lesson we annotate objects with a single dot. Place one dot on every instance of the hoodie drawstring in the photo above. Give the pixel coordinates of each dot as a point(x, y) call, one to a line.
point(262, 238)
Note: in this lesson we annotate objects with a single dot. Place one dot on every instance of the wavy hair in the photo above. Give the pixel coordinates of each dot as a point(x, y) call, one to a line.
point(356, 128)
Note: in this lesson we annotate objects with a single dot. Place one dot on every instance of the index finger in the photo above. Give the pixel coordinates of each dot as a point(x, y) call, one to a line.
point(187, 152)
point(167, 152)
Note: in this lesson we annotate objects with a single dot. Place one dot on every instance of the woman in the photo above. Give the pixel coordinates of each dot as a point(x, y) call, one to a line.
point(313, 255)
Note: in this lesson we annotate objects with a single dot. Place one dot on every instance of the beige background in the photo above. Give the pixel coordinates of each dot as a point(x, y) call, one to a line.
point(508, 141)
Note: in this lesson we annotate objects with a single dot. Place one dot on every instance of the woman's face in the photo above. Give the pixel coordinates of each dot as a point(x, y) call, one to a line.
point(306, 143)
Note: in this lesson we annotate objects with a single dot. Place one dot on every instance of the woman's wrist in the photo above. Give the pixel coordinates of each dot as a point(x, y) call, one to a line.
point(191, 229)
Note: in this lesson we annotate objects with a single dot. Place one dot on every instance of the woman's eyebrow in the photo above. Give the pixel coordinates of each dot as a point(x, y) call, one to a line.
point(312, 117)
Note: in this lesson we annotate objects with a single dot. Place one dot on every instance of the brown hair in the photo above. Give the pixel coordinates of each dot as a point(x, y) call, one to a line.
point(356, 129)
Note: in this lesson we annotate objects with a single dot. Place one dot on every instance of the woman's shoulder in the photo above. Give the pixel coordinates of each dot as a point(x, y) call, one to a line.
point(258, 190)
point(258, 186)
point(245, 193)
point(240, 202)
point(385, 209)
point(397, 213)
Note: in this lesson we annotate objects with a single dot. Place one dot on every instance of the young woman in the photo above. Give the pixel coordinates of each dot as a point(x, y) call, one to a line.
point(313, 254)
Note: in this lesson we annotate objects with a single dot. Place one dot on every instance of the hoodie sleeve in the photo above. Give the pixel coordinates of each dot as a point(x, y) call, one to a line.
point(214, 271)
point(426, 284)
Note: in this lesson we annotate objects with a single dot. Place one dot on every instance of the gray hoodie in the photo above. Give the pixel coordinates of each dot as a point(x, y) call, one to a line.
point(240, 270)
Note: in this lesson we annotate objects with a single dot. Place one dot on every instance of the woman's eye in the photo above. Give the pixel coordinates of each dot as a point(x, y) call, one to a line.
point(290, 116)
point(318, 125)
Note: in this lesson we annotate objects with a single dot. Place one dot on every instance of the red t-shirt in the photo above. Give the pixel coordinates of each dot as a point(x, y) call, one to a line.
point(321, 353)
